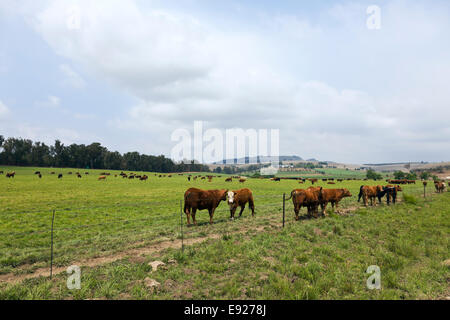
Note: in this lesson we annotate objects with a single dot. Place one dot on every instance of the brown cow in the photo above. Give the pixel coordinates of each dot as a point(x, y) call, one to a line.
point(242, 180)
point(197, 199)
point(144, 178)
point(229, 180)
point(333, 196)
point(102, 178)
point(239, 198)
point(440, 186)
point(369, 192)
point(308, 198)
point(79, 175)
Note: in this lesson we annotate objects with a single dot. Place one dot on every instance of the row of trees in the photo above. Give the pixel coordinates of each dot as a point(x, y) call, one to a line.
point(24, 152)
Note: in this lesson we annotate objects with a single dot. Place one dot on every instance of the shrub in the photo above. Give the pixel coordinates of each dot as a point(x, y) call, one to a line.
point(409, 199)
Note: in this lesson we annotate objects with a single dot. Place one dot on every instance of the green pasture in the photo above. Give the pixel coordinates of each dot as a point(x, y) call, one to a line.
point(97, 218)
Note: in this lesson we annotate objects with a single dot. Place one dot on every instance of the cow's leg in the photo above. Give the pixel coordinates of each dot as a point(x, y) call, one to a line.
point(188, 215)
point(251, 205)
point(296, 210)
point(388, 197)
point(211, 214)
point(336, 205)
point(232, 211)
point(324, 207)
point(242, 209)
point(194, 210)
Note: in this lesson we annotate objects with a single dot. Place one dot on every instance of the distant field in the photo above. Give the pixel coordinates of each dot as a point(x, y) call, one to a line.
point(101, 218)
point(329, 173)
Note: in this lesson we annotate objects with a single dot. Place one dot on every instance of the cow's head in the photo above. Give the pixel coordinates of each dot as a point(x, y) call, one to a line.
point(398, 188)
point(346, 193)
point(230, 197)
point(223, 194)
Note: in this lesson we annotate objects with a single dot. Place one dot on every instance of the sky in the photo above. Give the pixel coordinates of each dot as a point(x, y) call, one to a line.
point(129, 73)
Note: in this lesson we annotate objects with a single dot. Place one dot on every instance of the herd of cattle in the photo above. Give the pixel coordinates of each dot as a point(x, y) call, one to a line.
point(310, 198)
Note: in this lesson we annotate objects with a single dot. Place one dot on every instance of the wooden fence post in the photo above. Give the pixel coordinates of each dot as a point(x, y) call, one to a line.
point(181, 225)
point(284, 201)
point(51, 246)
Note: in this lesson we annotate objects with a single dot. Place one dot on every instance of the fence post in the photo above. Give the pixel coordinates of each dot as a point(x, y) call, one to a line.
point(424, 187)
point(284, 201)
point(181, 225)
point(51, 246)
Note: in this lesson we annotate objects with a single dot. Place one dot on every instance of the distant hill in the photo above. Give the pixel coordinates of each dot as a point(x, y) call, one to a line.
point(259, 159)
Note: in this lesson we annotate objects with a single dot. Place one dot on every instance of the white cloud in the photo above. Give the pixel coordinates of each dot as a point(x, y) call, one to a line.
point(51, 102)
point(4, 111)
point(335, 89)
point(72, 78)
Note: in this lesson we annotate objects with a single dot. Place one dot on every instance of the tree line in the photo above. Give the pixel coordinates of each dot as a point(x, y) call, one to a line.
point(25, 152)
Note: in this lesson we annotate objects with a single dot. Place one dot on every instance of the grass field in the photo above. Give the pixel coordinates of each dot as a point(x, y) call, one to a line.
point(249, 258)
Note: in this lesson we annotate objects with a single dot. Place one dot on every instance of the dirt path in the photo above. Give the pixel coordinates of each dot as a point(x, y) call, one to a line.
point(130, 253)
point(93, 262)
point(151, 249)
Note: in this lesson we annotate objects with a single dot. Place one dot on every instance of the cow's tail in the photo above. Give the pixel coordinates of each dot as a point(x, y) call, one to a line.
point(360, 193)
point(292, 194)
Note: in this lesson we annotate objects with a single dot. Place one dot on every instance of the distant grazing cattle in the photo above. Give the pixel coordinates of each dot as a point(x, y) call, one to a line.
point(86, 173)
point(300, 181)
point(37, 172)
point(143, 178)
point(308, 198)
point(339, 180)
point(369, 192)
point(131, 177)
point(79, 175)
point(189, 178)
point(331, 182)
point(313, 181)
point(197, 199)
point(40, 176)
point(69, 172)
point(60, 176)
point(440, 186)
point(239, 198)
point(10, 174)
point(102, 178)
point(275, 179)
point(53, 172)
point(242, 180)
point(203, 178)
point(228, 179)
point(333, 196)
point(1, 172)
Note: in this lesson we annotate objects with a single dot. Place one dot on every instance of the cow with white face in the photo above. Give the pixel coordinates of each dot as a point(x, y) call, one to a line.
point(239, 198)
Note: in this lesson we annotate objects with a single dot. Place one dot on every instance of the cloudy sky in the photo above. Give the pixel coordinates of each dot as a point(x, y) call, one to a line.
point(129, 73)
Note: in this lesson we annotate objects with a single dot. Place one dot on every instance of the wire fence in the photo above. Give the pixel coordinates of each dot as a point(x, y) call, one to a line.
point(62, 238)
point(73, 231)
